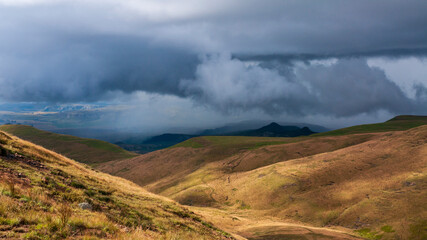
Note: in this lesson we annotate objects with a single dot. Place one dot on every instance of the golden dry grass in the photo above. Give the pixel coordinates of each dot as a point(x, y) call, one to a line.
point(373, 183)
point(47, 188)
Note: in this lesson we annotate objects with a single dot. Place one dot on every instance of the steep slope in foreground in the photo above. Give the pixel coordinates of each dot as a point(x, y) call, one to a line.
point(89, 151)
point(373, 183)
point(40, 193)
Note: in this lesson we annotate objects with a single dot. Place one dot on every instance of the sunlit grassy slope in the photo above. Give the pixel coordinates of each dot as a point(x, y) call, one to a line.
point(399, 123)
point(40, 191)
point(368, 179)
point(89, 151)
point(378, 187)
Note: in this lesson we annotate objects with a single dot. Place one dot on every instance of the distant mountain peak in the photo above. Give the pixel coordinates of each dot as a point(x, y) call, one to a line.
point(273, 124)
point(276, 130)
point(273, 127)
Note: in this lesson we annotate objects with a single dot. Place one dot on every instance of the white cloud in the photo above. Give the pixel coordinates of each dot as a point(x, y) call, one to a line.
point(405, 72)
point(230, 83)
point(24, 2)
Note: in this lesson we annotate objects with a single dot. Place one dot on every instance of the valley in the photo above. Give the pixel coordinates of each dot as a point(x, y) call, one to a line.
point(213, 120)
point(366, 181)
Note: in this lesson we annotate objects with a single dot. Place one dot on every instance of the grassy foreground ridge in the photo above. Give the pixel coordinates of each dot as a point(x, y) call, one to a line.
point(40, 193)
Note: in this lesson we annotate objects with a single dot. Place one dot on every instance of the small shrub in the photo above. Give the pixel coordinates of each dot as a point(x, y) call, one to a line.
point(131, 222)
point(26, 220)
point(11, 187)
point(53, 227)
point(90, 193)
point(104, 199)
point(65, 212)
point(78, 225)
point(76, 184)
point(33, 235)
point(25, 199)
point(110, 229)
point(9, 221)
point(107, 193)
point(368, 234)
point(387, 229)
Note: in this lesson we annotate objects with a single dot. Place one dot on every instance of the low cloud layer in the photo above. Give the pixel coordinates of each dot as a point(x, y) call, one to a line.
point(344, 88)
point(279, 57)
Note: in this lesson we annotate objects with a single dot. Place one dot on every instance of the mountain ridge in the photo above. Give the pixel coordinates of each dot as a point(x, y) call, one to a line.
point(275, 130)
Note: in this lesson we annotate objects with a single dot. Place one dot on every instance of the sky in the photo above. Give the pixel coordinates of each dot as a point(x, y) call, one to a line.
point(187, 63)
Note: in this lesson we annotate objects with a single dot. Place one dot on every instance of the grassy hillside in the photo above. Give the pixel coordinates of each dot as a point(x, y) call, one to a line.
point(399, 123)
point(162, 169)
point(367, 180)
point(40, 193)
point(378, 187)
point(89, 151)
point(374, 183)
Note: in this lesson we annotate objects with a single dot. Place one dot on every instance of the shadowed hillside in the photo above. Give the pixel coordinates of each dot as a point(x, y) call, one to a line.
point(44, 195)
point(169, 139)
point(89, 151)
point(275, 130)
point(371, 182)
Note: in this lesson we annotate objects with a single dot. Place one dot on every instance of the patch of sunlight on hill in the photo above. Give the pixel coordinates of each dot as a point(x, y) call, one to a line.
point(41, 193)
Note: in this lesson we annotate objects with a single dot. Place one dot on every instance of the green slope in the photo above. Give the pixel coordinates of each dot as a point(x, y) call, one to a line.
point(399, 123)
point(89, 151)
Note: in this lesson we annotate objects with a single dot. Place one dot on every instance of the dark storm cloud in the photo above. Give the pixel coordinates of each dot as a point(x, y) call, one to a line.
point(289, 58)
point(73, 51)
point(345, 88)
point(91, 68)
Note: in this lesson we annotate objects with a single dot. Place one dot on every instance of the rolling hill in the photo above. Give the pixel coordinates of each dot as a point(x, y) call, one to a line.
point(85, 150)
point(370, 180)
point(44, 195)
point(399, 123)
point(169, 139)
point(154, 143)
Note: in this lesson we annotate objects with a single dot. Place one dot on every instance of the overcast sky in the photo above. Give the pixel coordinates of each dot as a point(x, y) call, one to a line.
point(204, 63)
